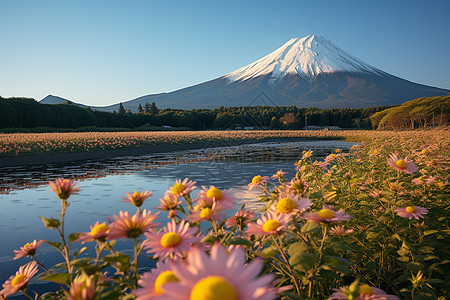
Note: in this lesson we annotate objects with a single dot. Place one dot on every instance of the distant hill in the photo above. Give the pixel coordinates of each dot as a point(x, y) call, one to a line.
point(50, 99)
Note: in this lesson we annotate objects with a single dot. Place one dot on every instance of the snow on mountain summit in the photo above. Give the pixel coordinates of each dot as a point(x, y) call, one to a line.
point(307, 57)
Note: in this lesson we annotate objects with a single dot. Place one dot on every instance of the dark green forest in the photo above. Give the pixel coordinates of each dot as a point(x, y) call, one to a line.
point(28, 113)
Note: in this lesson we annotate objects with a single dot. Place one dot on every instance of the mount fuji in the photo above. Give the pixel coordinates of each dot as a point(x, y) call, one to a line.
point(305, 72)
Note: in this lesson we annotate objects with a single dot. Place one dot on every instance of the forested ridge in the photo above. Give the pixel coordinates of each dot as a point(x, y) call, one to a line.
point(28, 113)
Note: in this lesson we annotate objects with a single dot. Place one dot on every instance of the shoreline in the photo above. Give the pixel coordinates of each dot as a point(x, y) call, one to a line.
point(43, 159)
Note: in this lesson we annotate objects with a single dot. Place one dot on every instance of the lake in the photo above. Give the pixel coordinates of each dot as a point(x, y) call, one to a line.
point(26, 194)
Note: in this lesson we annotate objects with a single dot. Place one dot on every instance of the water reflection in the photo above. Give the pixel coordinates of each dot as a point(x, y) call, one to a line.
point(27, 196)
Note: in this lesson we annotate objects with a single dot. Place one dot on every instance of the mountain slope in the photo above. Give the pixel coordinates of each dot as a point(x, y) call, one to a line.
point(50, 99)
point(306, 72)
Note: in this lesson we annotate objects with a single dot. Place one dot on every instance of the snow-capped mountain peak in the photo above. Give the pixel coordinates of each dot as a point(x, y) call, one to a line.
point(307, 57)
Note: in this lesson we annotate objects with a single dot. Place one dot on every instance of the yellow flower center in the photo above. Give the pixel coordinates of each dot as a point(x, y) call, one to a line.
point(18, 280)
point(206, 212)
point(178, 188)
point(100, 228)
point(256, 179)
point(271, 225)
point(332, 156)
point(26, 245)
point(326, 213)
point(170, 239)
point(286, 205)
point(163, 278)
point(401, 164)
point(411, 209)
point(365, 289)
point(424, 151)
point(214, 193)
point(136, 195)
point(375, 152)
point(307, 154)
point(213, 288)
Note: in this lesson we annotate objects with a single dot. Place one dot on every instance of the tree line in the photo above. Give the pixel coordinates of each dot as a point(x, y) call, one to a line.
point(418, 113)
point(28, 113)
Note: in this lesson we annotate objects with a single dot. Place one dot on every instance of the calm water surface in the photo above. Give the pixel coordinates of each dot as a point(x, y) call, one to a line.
point(26, 195)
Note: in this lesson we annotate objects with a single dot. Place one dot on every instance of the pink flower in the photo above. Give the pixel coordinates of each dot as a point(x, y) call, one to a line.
point(272, 223)
point(126, 226)
point(203, 212)
point(340, 231)
point(29, 249)
point(240, 219)
point(137, 199)
point(411, 212)
point(64, 188)
point(19, 281)
point(169, 203)
point(366, 292)
point(327, 215)
point(173, 240)
point(402, 164)
point(222, 198)
point(98, 232)
point(290, 204)
point(82, 288)
point(279, 174)
point(257, 180)
point(179, 189)
point(307, 154)
point(152, 282)
point(219, 276)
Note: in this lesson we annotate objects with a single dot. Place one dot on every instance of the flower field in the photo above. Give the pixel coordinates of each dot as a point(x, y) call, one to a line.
point(33, 143)
point(369, 224)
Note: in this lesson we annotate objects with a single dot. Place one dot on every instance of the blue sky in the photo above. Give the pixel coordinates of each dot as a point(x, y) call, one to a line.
point(104, 52)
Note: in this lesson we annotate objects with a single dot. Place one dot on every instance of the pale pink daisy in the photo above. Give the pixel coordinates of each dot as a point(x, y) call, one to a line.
point(257, 180)
point(366, 292)
point(222, 198)
point(169, 202)
point(340, 231)
point(181, 188)
point(219, 276)
point(99, 232)
point(83, 287)
point(29, 249)
point(203, 212)
point(271, 223)
point(64, 188)
point(327, 215)
point(137, 199)
point(151, 283)
point(240, 219)
point(279, 174)
point(411, 212)
point(402, 164)
point(19, 281)
point(290, 204)
point(173, 240)
point(126, 226)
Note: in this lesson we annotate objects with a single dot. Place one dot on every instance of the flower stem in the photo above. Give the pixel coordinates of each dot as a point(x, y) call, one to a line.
point(283, 255)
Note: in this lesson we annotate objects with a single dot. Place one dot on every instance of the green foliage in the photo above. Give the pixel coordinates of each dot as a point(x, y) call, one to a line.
point(16, 113)
point(417, 113)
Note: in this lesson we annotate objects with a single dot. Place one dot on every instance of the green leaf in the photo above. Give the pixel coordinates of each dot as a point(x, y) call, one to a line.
point(76, 253)
point(309, 226)
point(63, 278)
point(239, 241)
point(74, 236)
point(297, 248)
point(428, 232)
point(56, 245)
point(336, 260)
point(303, 262)
point(50, 223)
point(118, 258)
point(209, 239)
point(269, 251)
point(341, 246)
point(81, 262)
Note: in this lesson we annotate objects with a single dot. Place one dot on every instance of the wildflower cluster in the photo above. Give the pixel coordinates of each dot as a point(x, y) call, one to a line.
point(368, 224)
